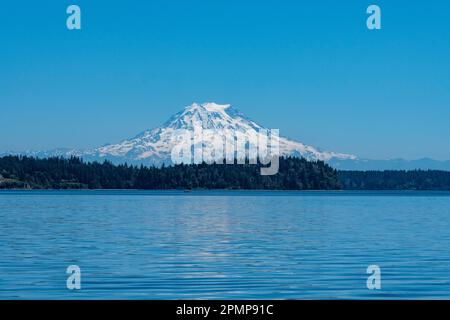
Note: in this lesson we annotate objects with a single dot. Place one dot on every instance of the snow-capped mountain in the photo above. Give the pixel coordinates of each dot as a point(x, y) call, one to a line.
point(155, 146)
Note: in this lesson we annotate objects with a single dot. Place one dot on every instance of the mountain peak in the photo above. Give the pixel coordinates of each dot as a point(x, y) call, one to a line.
point(210, 115)
point(208, 106)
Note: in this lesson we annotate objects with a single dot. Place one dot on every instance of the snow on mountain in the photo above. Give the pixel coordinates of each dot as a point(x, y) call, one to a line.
point(154, 147)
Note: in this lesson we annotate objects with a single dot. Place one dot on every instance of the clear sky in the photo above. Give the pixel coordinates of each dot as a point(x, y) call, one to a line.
point(310, 68)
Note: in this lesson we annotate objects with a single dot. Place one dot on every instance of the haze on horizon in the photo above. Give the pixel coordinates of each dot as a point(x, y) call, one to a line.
point(313, 70)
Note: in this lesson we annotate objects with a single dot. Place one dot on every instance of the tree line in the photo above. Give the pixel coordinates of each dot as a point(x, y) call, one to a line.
point(74, 173)
point(395, 180)
point(294, 174)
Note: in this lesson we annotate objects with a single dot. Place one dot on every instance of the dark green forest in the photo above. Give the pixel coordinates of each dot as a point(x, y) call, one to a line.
point(395, 180)
point(294, 174)
point(73, 173)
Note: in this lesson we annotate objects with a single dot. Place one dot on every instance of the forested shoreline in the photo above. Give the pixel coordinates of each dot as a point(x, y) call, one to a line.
point(59, 173)
point(395, 180)
point(17, 172)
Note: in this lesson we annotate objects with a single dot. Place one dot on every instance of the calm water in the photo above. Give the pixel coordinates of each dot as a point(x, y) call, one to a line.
point(243, 245)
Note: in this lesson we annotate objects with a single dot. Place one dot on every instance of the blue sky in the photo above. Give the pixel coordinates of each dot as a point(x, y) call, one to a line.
point(310, 68)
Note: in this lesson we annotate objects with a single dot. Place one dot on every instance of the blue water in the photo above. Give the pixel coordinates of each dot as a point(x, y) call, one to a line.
point(224, 244)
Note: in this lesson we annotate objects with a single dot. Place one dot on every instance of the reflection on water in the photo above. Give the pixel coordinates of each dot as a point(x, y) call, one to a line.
point(224, 245)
